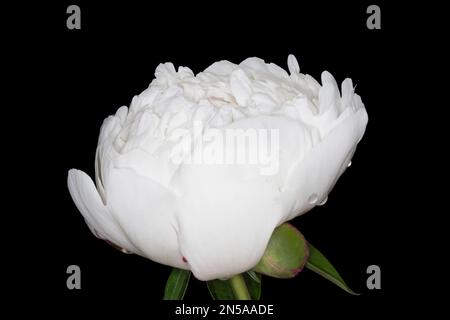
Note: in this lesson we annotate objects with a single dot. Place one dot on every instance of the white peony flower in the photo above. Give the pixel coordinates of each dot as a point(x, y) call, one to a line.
point(216, 218)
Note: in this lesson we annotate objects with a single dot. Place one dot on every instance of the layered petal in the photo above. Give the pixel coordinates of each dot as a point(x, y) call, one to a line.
point(224, 226)
point(314, 176)
point(216, 218)
point(227, 212)
point(145, 210)
point(97, 215)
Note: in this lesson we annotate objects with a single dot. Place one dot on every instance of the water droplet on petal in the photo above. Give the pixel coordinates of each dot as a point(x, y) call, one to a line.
point(349, 164)
point(313, 198)
point(125, 251)
point(323, 201)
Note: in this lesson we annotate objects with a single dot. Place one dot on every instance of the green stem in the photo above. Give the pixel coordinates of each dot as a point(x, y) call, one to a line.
point(239, 287)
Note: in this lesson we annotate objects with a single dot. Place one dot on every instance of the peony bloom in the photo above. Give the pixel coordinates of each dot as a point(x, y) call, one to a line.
point(152, 198)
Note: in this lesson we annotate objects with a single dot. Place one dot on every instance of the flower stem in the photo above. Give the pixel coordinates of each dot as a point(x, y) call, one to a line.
point(239, 287)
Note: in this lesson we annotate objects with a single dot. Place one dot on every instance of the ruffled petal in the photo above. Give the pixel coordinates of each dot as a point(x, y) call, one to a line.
point(240, 86)
point(221, 68)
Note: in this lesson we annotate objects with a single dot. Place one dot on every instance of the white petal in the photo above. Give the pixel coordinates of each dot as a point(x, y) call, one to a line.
point(106, 152)
point(329, 95)
point(122, 113)
point(240, 87)
point(223, 67)
point(146, 98)
point(89, 203)
point(347, 92)
point(185, 73)
point(98, 179)
point(224, 227)
point(293, 64)
point(157, 166)
point(165, 72)
point(254, 66)
point(228, 212)
point(317, 173)
point(257, 69)
point(145, 211)
point(314, 86)
point(277, 71)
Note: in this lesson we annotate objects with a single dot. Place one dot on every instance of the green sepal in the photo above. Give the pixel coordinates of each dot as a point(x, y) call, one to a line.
point(318, 263)
point(286, 253)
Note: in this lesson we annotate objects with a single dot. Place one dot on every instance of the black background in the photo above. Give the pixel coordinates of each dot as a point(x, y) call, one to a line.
point(85, 75)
